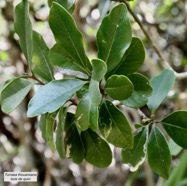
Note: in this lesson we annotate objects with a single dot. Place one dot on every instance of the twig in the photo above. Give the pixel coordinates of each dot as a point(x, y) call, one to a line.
point(164, 63)
point(36, 79)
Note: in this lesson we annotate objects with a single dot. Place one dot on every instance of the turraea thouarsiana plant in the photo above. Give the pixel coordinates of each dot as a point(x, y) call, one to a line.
point(113, 75)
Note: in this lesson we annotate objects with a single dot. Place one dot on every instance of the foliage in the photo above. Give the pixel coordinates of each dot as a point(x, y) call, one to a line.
point(113, 75)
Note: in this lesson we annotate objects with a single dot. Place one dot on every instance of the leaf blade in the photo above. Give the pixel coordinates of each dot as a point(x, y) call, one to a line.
point(114, 126)
point(52, 96)
point(14, 93)
point(71, 45)
point(176, 126)
point(159, 156)
point(118, 24)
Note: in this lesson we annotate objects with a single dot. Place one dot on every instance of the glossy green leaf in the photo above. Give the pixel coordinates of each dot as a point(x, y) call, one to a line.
point(132, 59)
point(50, 122)
point(161, 85)
point(60, 132)
point(74, 144)
point(42, 125)
point(87, 113)
point(142, 90)
point(136, 156)
point(114, 36)
point(114, 126)
point(97, 150)
point(41, 65)
point(175, 125)
point(68, 52)
point(119, 87)
point(159, 157)
point(67, 4)
point(14, 93)
point(23, 28)
point(52, 96)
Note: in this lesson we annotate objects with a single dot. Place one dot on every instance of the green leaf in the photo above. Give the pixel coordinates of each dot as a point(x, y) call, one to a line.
point(67, 4)
point(50, 122)
point(175, 125)
point(42, 125)
point(114, 126)
point(68, 52)
point(159, 157)
point(14, 93)
point(74, 144)
point(23, 28)
point(52, 96)
point(119, 87)
point(98, 152)
point(42, 67)
point(142, 90)
point(60, 132)
point(132, 59)
point(136, 156)
point(87, 113)
point(161, 85)
point(114, 36)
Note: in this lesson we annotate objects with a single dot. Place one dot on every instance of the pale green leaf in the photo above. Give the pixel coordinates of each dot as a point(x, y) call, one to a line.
point(50, 122)
point(161, 85)
point(14, 93)
point(42, 125)
point(87, 113)
point(52, 96)
point(114, 126)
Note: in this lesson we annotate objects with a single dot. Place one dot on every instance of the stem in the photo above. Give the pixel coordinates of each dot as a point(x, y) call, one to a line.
point(36, 79)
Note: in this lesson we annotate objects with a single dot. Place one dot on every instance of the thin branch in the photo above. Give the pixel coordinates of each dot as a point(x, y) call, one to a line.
point(164, 63)
point(36, 79)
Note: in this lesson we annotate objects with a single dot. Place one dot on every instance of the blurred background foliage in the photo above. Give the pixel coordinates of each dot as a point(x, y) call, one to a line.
point(21, 145)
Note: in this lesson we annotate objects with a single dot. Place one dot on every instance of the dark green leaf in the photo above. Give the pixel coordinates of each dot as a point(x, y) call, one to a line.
point(42, 125)
point(60, 133)
point(98, 152)
point(114, 126)
point(132, 59)
point(136, 156)
point(74, 144)
point(23, 28)
point(68, 52)
point(87, 113)
point(119, 87)
point(67, 4)
point(142, 90)
point(161, 85)
point(175, 125)
point(52, 96)
point(50, 122)
point(159, 157)
point(114, 36)
point(42, 67)
point(14, 93)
